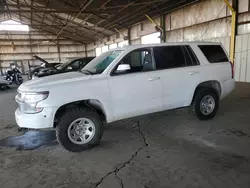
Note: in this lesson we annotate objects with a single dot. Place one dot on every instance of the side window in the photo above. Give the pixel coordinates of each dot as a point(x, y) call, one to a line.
point(138, 61)
point(214, 53)
point(75, 65)
point(190, 57)
point(167, 57)
point(82, 63)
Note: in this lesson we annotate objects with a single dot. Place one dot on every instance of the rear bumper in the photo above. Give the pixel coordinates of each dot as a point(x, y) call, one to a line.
point(42, 120)
point(227, 87)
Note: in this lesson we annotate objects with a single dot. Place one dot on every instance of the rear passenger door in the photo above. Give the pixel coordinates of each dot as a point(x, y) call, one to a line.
point(179, 71)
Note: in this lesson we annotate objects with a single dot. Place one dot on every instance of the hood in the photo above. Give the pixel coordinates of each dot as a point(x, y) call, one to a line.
point(41, 59)
point(44, 83)
point(44, 61)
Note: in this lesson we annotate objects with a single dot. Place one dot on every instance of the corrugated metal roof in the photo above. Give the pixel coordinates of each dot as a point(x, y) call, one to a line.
point(84, 21)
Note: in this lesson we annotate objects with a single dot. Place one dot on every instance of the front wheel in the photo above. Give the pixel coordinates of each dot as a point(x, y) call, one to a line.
point(205, 104)
point(79, 129)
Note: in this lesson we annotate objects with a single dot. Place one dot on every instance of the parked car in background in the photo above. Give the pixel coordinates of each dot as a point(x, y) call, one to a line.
point(44, 67)
point(52, 68)
point(124, 83)
point(4, 85)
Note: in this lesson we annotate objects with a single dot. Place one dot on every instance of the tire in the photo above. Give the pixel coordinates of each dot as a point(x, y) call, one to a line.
point(196, 109)
point(65, 123)
point(18, 83)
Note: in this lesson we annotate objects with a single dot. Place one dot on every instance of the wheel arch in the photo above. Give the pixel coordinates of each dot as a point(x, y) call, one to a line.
point(212, 84)
point(93, 104)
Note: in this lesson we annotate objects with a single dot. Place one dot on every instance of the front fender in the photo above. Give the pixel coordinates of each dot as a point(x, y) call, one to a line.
point(90, 90)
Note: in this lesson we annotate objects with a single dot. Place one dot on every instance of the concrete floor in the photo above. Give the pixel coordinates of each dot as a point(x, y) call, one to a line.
point(170, 149)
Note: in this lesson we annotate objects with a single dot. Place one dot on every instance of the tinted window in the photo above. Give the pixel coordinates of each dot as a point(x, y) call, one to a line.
point(167, 57)
point(190, 57)
point(214, 53)
point(83, 62)
point(75, 65)
point(139, 60)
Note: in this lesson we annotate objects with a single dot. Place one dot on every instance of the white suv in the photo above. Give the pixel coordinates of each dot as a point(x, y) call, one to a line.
point(124, 83)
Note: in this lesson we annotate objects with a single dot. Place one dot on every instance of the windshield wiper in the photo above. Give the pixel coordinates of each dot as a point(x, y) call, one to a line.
point(87, 72)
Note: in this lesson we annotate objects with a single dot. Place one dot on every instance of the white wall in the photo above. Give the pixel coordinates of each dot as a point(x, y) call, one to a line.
point(242, 58)
point(153, 38)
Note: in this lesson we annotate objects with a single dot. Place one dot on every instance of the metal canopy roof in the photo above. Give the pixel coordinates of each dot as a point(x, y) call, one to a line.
point(83, 21)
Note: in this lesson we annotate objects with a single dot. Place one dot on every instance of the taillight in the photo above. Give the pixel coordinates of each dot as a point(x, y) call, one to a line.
point(232, 68)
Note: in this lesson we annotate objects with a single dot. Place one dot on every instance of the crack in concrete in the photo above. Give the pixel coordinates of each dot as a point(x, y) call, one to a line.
point(121, 182)
point(143, 136)
point(118, 169)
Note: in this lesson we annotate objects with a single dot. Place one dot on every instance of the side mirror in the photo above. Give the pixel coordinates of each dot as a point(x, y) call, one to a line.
point(123, 68)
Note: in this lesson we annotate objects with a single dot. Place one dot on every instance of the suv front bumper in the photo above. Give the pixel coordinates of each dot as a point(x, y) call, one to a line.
point(41, 120)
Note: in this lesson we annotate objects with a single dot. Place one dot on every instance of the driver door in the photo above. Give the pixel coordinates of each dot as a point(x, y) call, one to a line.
point(136, 91)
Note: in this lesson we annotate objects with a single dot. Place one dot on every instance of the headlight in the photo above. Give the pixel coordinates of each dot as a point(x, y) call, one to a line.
point(35, 97)
point(28, 101)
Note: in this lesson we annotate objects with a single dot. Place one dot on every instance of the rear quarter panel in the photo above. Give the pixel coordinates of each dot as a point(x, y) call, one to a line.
point(221, 72)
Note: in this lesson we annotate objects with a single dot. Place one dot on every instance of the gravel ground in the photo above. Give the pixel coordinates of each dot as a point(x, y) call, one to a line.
point(168, 149)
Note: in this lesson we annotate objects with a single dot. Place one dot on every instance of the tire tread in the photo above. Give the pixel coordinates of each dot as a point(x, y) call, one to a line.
point(78, 111)
point(194, 110)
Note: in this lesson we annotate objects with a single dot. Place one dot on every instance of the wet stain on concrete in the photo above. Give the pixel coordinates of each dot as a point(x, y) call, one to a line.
point(9, 126)
point(237, 133)
point(30, 140)
point(230, 132)
point(226, 161)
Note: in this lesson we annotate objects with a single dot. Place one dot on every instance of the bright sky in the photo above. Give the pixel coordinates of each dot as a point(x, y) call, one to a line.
point(11, 25)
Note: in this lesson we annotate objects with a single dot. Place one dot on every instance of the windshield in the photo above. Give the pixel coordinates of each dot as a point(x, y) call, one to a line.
point(99, 64)
point(64, 65)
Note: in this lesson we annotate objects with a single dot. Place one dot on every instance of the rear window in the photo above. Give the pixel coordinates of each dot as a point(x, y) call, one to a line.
point(214, 53)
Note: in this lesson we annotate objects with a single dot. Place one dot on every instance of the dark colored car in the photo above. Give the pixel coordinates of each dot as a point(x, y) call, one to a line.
point(69, 66)
point(45, 67)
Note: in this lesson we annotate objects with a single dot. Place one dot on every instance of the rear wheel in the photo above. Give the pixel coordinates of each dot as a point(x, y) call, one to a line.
point(79, 129)
point(18, 80)
point(205, 104)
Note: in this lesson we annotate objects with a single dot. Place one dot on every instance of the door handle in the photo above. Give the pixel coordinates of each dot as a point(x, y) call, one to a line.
point(154, 78)
point(193, 73)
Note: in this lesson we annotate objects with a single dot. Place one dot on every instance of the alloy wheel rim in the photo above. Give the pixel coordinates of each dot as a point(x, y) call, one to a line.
point(81, 131)
point(207, 105)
